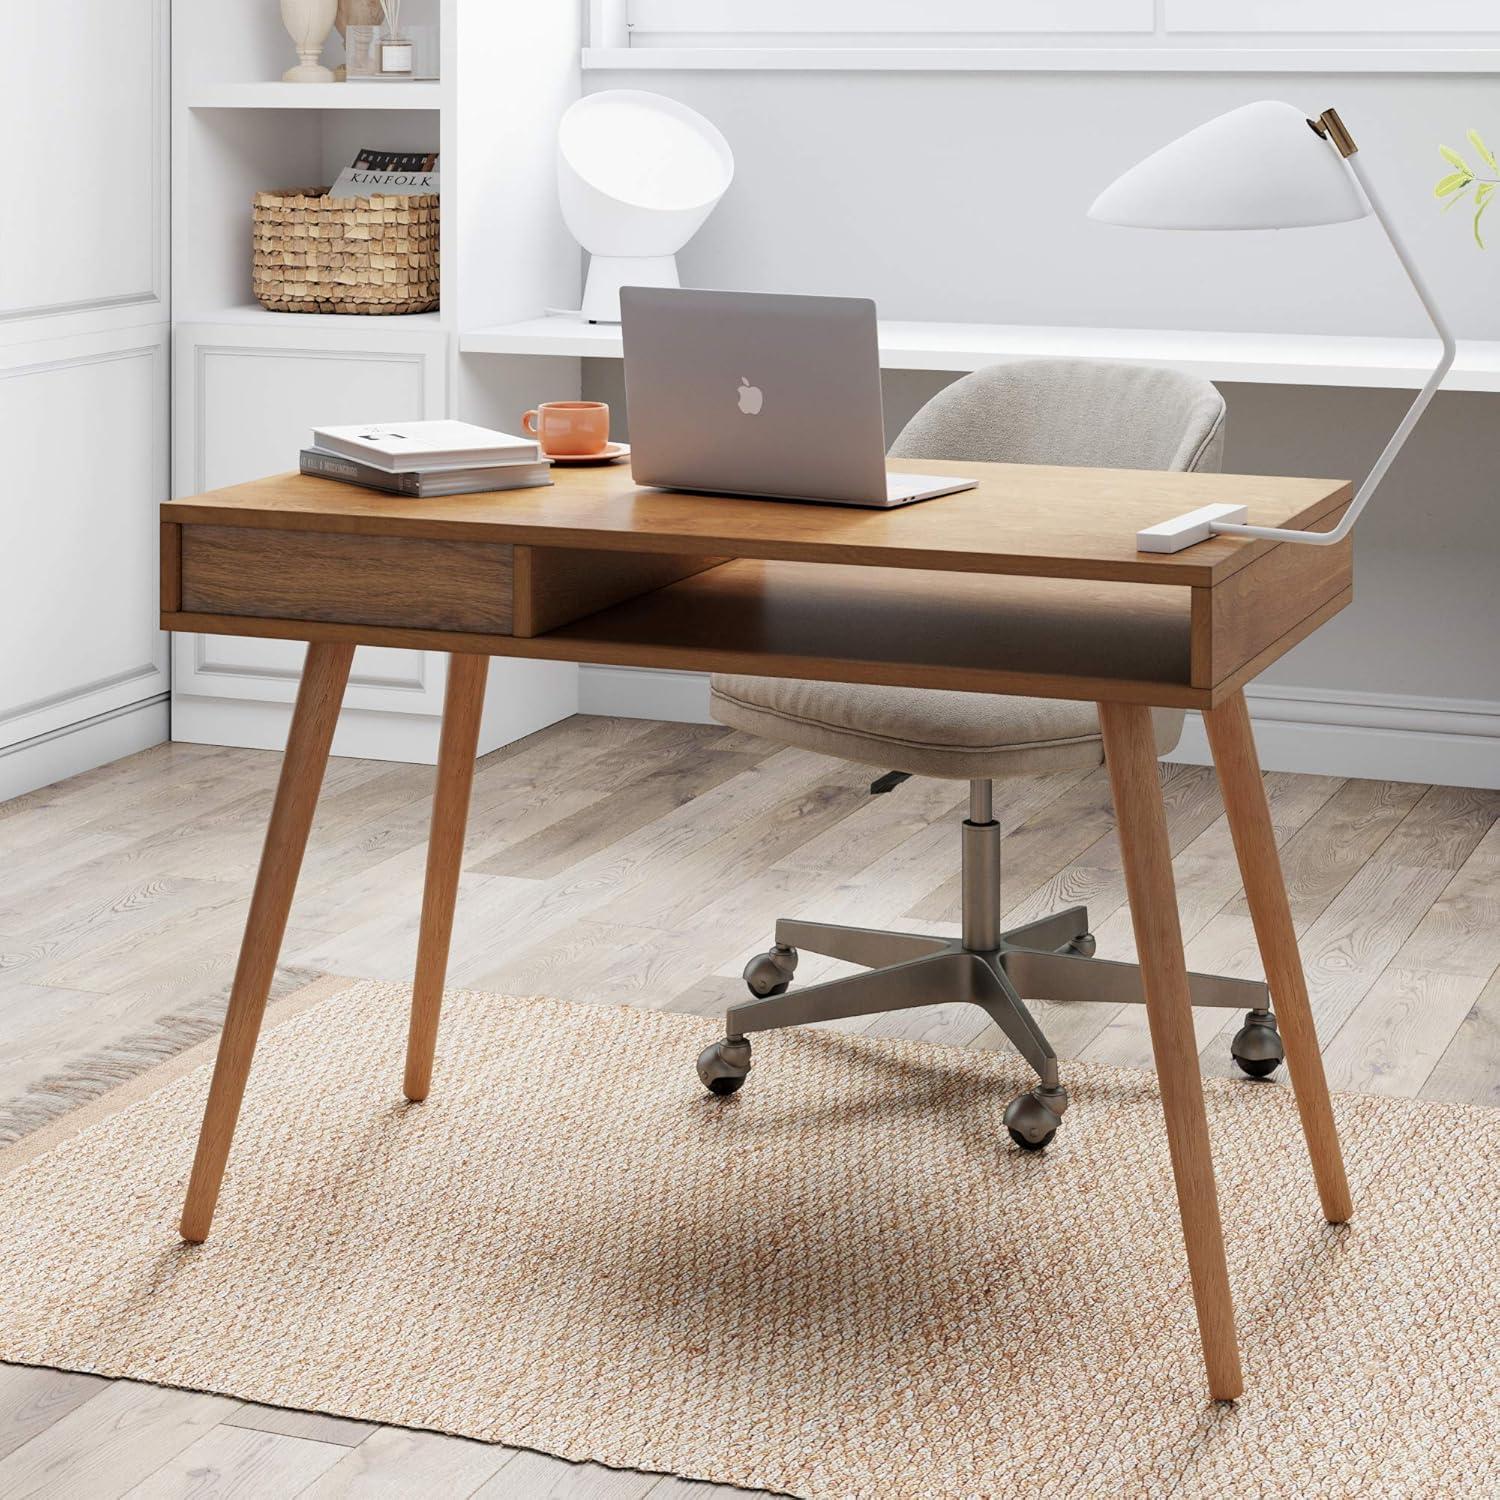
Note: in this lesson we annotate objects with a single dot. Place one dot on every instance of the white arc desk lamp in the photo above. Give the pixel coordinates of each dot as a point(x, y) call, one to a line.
point(1264, 166)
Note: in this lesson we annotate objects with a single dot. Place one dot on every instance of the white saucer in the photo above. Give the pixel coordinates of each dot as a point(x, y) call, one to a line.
point(608, 454)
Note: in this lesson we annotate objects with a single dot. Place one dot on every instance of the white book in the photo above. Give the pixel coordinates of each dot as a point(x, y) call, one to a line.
point(399, 447)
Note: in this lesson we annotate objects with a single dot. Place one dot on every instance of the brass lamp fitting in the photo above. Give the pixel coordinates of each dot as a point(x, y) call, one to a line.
point(1331, 128)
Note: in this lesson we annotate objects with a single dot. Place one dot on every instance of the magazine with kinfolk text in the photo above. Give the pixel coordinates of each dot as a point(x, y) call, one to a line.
point(382, 173)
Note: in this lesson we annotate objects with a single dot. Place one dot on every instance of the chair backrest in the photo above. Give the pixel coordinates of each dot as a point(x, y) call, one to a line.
point(1084, 412)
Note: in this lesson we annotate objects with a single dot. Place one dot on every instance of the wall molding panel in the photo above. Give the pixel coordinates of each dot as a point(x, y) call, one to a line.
point(250, 348)
point(1241, 36)
point(91, 526)
point(238, 689)
point(67, 751)
point(1365, 19)
point(269, 671)
point(82, 305)
point(418, 679)
point(144, 230)
point(260, 725)
point(902, 17)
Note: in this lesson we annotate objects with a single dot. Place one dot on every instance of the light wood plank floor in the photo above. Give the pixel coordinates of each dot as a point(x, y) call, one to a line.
point(617, 860)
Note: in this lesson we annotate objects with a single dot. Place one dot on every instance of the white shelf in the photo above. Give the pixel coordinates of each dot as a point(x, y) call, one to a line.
point(1267, 359)
point(253, 313)
point(376, 95)
point(294, 333)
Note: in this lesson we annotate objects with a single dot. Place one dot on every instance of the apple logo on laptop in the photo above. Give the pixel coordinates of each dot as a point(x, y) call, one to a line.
point(751, 398)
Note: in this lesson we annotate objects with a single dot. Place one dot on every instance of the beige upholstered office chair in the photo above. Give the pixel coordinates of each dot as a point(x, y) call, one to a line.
point(1077, 412)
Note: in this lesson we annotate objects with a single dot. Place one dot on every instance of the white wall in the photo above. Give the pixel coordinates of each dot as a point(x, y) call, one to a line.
point(962, 196)
point(83, 387)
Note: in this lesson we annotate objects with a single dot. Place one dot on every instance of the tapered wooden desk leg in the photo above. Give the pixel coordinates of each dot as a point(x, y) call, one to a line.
point(1130, 747)
point(462, 708)
point(1233, 744)
point(324, 674)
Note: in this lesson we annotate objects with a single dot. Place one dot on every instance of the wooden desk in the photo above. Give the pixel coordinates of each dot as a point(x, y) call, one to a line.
point(1029, 583)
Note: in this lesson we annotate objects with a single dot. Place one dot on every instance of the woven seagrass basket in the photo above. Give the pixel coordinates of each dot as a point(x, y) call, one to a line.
point(316, 254)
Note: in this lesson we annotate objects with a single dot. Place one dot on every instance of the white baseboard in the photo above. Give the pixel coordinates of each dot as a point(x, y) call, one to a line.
point(1374, 736)
point(80, 747)
point(522, 697)
point(644, 693)
point(253, 725)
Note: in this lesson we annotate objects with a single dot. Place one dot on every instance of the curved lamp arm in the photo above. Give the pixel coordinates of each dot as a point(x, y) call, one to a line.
point(1173, 536)
point(1413, 413)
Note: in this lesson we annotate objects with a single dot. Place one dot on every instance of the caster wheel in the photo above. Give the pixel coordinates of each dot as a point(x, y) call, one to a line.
point(1084, 945)
point(1027, 1144)
point(770, 973)
point(1032, 1118)
point(724, 1066)
point(1256, 1048)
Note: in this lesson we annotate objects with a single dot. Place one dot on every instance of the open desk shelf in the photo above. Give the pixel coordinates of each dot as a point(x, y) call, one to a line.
point(963, 631)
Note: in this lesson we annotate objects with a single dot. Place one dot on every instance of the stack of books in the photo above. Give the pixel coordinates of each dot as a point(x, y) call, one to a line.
point(425, 460)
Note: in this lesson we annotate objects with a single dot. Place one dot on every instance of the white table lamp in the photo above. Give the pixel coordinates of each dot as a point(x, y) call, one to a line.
point(637, 174)
point(1264, 166)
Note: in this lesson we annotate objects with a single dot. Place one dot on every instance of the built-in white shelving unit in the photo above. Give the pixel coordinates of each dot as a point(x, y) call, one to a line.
point(1276, 359)
point(249, 384)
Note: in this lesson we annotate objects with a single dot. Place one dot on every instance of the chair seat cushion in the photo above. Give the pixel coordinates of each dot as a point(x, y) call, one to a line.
point(960, 736)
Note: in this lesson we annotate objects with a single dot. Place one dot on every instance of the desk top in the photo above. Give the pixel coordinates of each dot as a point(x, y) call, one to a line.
point(1023, 519)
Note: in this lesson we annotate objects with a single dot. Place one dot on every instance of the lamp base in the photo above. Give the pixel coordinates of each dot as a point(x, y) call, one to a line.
point(608, 273)
point(1188, 529)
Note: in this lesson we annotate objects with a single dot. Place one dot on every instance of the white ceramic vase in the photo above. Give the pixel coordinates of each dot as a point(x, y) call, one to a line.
point(308, 23)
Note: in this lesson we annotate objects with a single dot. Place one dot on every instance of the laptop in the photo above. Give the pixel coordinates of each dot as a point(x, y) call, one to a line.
point(753, 393)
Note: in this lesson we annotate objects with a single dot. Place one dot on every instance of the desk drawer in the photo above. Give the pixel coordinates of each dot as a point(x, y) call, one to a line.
point(344, 578)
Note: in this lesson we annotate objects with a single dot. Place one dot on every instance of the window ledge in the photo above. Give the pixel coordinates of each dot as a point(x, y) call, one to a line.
point(1147, 59)
point(1257, 358)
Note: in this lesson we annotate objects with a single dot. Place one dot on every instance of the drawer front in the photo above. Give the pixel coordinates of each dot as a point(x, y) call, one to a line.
point(347, 579)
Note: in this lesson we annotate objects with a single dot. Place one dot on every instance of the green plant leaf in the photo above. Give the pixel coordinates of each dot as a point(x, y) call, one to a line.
point(1478, 144)
point(1452, 182)
point(1483, 193)
point(1478, 215)
point(1457, 197)
point(1451, 156)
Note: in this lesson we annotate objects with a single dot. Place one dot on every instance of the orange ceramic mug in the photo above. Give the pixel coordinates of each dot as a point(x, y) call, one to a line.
point(569, 429)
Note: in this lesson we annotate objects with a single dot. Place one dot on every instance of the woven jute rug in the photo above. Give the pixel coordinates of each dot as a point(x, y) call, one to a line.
point(843, 1281)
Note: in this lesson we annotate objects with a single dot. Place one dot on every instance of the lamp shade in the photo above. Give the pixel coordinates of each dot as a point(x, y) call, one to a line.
point(637, 172)
point(1261, 166)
